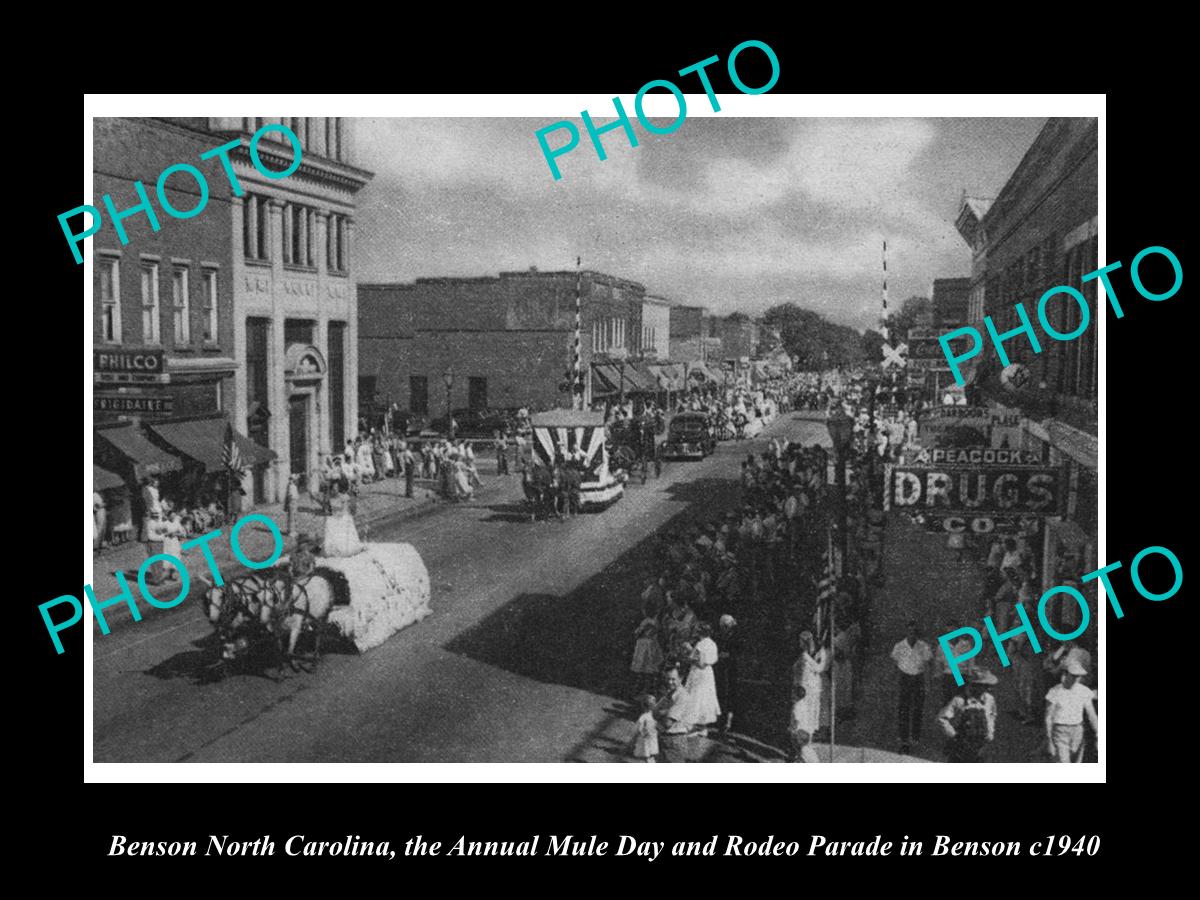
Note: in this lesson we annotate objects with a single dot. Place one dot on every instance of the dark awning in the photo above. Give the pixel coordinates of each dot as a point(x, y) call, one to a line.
point(605, 379)
point(204, 441)
point(126, 447)
point(104, 480)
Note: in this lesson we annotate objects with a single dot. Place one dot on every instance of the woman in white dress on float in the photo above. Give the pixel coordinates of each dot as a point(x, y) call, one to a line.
point(341, 537)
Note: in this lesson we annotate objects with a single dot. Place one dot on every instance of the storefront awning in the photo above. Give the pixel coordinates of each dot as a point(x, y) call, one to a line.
point(1079, 445)
point(604, 380)
point(125, 447)
point(204, 441)
point(104, 480)
point(671, 374)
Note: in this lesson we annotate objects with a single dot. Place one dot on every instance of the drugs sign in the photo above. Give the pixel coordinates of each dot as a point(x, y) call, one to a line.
point(972, 491)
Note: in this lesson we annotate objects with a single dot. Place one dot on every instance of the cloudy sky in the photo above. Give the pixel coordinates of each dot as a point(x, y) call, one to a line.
point(731, 213)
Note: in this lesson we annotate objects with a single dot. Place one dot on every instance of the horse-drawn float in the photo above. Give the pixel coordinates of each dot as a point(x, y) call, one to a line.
point(364, 598)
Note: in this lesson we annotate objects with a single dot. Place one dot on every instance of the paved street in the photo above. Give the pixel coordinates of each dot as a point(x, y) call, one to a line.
point(524, 658)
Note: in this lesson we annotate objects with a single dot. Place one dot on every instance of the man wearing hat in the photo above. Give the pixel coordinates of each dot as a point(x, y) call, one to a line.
point(1067, 703)
point(969, 720)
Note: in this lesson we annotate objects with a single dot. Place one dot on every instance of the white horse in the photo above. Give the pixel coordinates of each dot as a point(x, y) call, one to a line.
point(255, 602)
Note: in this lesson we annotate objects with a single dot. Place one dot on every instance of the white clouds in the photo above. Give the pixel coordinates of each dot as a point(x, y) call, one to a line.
point(722, 212)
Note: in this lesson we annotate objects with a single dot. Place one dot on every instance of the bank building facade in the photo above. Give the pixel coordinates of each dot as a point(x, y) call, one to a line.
point(295, 333)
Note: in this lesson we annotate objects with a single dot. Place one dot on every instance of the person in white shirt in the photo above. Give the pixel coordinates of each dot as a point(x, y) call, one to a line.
point(1067, 704)
point(912, 657)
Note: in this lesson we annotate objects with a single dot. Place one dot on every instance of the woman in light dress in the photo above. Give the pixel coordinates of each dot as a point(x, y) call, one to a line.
point(701, 683)
point(463, 489)
point(341, 537)
point(99, 520)
point(806, 686)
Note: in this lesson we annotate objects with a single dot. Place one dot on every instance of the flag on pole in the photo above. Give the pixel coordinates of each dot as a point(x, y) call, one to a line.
point(826, 591)
point(231, 454)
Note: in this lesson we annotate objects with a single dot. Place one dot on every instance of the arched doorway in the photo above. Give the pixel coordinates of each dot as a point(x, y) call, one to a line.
point(304, 370)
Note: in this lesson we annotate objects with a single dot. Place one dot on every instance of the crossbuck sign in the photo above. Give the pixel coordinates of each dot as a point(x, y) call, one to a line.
point(894, 356)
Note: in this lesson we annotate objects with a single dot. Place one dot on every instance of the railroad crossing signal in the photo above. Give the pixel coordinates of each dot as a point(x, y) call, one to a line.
point(894, 356)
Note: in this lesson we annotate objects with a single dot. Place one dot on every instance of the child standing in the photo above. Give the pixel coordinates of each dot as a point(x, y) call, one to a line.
point(647, 652)
point(645, 736)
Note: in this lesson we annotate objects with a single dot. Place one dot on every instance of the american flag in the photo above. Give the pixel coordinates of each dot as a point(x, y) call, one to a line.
point(231, 454)
point(826, 591)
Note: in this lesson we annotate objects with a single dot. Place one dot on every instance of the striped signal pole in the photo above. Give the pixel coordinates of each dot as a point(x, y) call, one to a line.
point(576, 367)
point(883, 316)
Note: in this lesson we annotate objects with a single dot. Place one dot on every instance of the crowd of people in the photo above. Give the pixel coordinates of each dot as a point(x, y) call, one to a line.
point(759, 561)
point(780, 552)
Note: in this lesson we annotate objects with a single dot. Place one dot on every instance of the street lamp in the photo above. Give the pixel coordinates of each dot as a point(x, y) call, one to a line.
point(448, 379)
point(841, 431)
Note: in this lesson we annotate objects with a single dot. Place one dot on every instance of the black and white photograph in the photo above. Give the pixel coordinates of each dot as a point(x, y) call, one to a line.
point(425, 439)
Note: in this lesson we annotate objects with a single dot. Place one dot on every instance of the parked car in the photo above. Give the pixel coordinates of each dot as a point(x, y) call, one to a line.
point(477, 422)
point(689, 436)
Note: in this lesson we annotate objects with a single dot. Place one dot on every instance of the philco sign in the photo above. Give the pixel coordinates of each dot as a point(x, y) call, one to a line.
point(969, 491)
point(129, 366)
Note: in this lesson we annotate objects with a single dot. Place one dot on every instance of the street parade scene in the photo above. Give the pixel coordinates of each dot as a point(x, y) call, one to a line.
point(519, 512)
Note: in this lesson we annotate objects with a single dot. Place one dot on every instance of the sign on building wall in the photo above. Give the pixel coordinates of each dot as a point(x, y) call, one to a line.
point(129, 366)
point(134, 403)
point(1008, 490)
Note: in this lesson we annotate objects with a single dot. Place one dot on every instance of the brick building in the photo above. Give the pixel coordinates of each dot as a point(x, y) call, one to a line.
point(690, 333)
point(1039, 232)
point(656, 328)
point(505, 339)
point(739, 337)
point(951, 300)
point(164, 362)
point(253, 298)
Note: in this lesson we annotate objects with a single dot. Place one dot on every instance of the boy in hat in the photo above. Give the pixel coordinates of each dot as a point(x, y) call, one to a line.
point(1067, 704)
point(969, 720)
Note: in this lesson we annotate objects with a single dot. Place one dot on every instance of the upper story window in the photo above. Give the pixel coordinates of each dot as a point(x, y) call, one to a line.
point(337, 244)
point(150, 314)
point(256, 227)
point(210, 306)
point(298, 224)
point(109, 275)
point(180, 307)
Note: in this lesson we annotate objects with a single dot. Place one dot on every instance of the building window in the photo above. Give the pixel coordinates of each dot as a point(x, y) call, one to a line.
point(335, 145)
point(258, 336)
point(256, 227)
point(180, 307)
point(298, 331)
point(150, 302)
point(418, 395)
point(336, 359)
point(110, 300)
point(210, 306)
point(477, 393)
point(297, 231)
point(336, 245)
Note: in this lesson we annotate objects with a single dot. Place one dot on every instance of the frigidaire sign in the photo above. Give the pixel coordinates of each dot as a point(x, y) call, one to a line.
point(129, 366)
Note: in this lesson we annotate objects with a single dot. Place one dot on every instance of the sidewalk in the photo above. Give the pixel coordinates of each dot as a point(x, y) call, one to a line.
point(376, 501)
point(926, 581)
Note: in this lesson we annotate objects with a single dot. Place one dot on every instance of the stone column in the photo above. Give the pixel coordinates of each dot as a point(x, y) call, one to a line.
point(276, 383)
point(236, 405)
point(321, 231)
point(351, 307)
point(322, 411)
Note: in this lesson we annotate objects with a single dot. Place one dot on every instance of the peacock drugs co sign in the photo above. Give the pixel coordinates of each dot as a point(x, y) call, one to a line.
point(981, 490)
